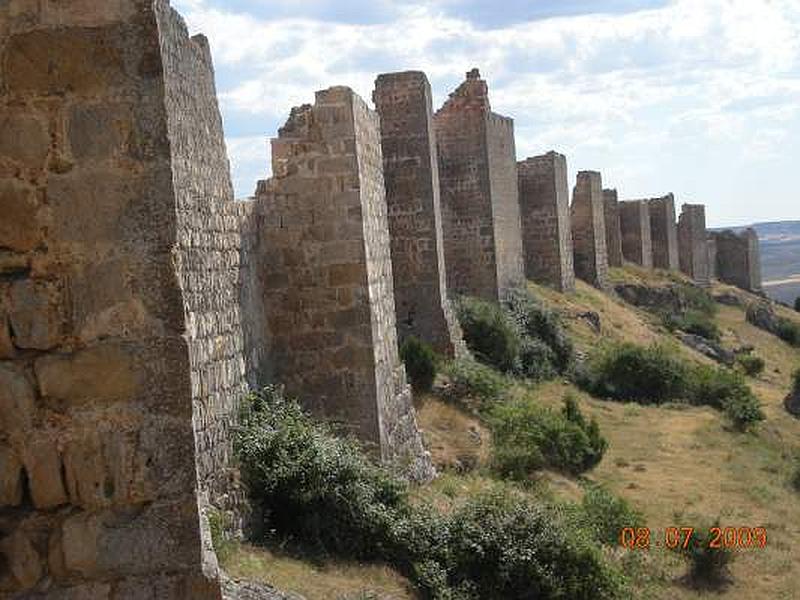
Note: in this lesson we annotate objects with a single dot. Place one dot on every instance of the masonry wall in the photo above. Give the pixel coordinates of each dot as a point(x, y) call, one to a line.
point(692, 244)
point(588, 229)
point(119, 330)
point(711, 243)
point(664, 232)
point(613, 232)
point(637, 246)
point(411, 174)
point(738, 259)
point(545, 218)
point(327, 275)
point(474, 152)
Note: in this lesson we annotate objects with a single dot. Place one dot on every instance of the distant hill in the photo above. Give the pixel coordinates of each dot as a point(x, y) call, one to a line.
point(780, 258)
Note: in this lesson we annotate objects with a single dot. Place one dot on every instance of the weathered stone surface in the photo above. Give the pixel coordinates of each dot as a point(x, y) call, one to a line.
point(17, 399)
point(22, 560)
point(589, 229)
point(637, 245)
point(19, 228)
point(545, 218)
point(42, 461)
point(25, 140)
point(710, 348)
point(480, 206)
point(10, 478)
point(664, 232)
point(738, 259)
point(99, 374)
point(692, 243)
point(332, 325)
point(613, 228)
point(411, 174)
point(36, 314)
point(97, 132)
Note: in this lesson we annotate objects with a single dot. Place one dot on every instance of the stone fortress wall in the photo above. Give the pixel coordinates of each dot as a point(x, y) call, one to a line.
point(613, 228)
point(139, 302)
point(692, 244)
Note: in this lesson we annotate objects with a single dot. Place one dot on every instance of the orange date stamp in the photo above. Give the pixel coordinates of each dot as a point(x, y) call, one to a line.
point(680, 538)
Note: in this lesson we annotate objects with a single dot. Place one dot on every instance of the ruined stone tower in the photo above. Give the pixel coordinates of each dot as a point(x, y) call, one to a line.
point(613, 233)
point(588, 229)
point(327, 275)
point(692, 244)
point(711, 243)
point(122, 356)
point(739, 259)
point(634, 219)
point(411, 174)
point(480, 205)
point(546, 230)
point(664, 232)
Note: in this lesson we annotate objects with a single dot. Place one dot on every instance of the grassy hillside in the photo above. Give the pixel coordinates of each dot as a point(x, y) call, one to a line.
point(677, 464)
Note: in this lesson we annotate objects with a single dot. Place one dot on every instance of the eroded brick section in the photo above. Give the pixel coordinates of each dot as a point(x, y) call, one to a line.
point(411, 174)
point(634, 220)
point(327, 275)
point(588, 229)
point(692, 244)
point(119, 325)
point(739, 259)
point(664, 232)
point(480, 206)
point(613, 232)
point(545, 217)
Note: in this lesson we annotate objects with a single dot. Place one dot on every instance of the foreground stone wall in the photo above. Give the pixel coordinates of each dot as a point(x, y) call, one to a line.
point(411, 173)
point(637, 246)
point(739, 259)
point(120, 338)
point(711, 243)
point(545, 217)
point(664, 232)
point(477, 171)
point(613, 232)
point(692, 244)
point(588, 229)
point(327, 275)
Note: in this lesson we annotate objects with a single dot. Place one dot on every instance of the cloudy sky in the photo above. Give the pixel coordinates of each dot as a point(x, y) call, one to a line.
point(697, 97)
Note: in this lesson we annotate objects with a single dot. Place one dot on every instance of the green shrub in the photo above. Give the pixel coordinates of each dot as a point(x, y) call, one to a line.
point(528, 437)
point(707, 565)
point(728, 391)
point(796, 382)
point(536, 322)
point(323, 494)
point(789, 331)
point(697, 299)
point(751, 364)
point(489, 333)
point(536, 360)
point(694, 322)
point(606, 515)
point(470, 380)
point(795, 479)
point(224, 545)
point(648, 375)
point(420, 361)
point(797, 304)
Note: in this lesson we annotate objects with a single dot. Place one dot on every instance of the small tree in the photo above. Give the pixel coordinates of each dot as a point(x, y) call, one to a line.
point(420, 361)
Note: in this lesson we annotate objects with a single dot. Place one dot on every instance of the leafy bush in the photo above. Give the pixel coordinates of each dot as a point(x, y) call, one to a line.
point(707, 565)
point(470, 380)
point(797, 304)
point(324, 495)
point(420, 361)
point(728, 391)
point(796, 382)
point(626, 371)
point(789, 331)
point(489, 332)
point(751, 364)
point(536, 322)
point(528, 437)
point(694, 322)
point(606, 514)
point(795, 480)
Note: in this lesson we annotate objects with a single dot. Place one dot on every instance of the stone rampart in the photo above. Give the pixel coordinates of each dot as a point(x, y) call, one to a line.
point(411, 174)
point(613, 228)
point(327, 276)
point(545, 217)
point(637, 246)
point(588, 229)
point(480, 205)
point(664, 232)
point(739, 259)
point(692, 244)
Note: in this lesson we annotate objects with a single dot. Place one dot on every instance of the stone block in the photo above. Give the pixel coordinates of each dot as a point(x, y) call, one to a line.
point(36, 314)
point(613, 228)
point(99, 374)
point(10, 478)
point(22, 560)
point(637, 244)
point(664, 232)
point(97, 131)
point(25, 139)
point(42, 461)
point(589, 229)
point(17, 399)
point(20, 229)
point(85, 13)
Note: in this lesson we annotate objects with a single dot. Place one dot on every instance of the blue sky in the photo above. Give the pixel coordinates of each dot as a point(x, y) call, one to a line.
point(696, 97)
